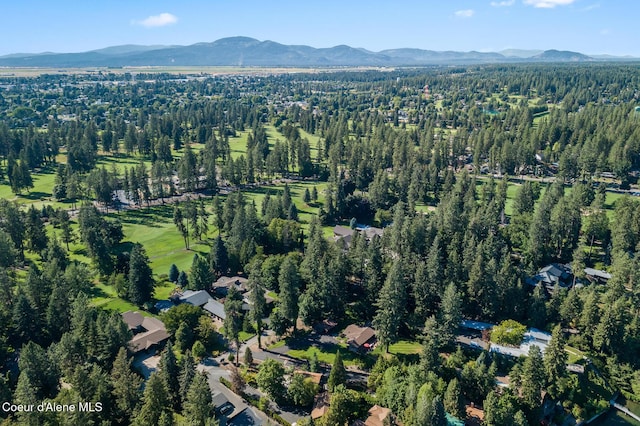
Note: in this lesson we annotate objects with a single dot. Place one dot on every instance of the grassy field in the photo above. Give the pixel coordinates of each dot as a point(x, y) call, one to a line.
point(153, 227)
point(405, 347)
point(327, 354)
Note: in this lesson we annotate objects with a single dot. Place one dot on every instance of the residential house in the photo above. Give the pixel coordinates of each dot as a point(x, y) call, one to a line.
point(320, 405)
point(314, 377)
point(343, 235)
point(359, 338)
point(215, 308)
point(597, 276)
point(552, 276)
point(150, 333)
point(223, 284)
point(377, 416)
point(195, 298)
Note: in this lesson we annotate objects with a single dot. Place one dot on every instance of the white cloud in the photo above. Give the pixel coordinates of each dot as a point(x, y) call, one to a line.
point(548, 4)
point(503, 3)
point(466, 13)
point(157, 20)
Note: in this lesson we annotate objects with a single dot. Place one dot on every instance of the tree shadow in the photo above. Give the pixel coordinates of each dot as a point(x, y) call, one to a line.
point(37, 195)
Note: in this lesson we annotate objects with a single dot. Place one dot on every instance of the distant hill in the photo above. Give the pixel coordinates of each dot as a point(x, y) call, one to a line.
point(561, 56)
point(519, 53)
point(246, 51)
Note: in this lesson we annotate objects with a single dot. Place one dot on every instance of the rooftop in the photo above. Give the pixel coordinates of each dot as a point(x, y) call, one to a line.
point(195, 298)
point(358, 335)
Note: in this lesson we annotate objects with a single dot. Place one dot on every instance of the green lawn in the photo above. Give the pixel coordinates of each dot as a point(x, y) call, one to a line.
point(244, 336)
point(163, 290)
point(105, 297)
point(327, 354)
point(153, 227)
point(405, 347)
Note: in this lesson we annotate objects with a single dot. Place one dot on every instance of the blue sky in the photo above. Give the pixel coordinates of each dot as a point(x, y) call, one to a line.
point(587, 26)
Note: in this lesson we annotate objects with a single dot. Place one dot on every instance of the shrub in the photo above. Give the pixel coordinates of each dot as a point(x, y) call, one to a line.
point(508, 332)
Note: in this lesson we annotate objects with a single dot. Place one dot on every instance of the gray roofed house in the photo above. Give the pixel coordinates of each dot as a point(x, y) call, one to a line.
point(223, 284)
point(553, 275)
point(195, 298)
point(215, 308)
point(372, 231)
point(597, 275)
point(342, 231)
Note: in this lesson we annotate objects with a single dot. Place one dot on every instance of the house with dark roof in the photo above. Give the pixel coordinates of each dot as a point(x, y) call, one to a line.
point(343, 235)
point(195, 298)
point(359, 338)
point(223, 284)
point(552, 276)
point(133, 320)
point(150, 333)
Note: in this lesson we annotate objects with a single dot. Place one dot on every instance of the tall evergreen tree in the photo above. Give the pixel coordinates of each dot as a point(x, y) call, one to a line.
point(126, 386)
point(155, 402)
point(187, 373)
point(141, 283)
point(169, 373)
point(289, 282)
point(201, 276)
point(391, 306)
point(198, 405)
point(338, 374)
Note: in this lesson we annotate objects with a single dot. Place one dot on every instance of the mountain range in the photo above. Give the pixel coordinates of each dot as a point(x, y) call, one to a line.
point(245, 51)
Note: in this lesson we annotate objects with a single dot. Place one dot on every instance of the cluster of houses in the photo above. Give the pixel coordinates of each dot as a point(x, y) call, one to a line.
point(150, 334)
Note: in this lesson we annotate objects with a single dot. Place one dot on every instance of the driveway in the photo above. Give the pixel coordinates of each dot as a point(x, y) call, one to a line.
point(146, 364)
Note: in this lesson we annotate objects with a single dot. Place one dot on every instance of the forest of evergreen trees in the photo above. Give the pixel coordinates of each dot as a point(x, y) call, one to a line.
point(492, 173)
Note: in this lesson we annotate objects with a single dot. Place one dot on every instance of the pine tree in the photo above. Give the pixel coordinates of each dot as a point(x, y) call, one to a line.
point(289, 282)
point(391, 306)
point(141, 281)
point(258, 301)
point(37, 239)
point(533, 378)
point(306, 198)
point(219, 257)
point(201, 277)
point(183, 280)
point(169, 372)
point(450, 313)
point(198, 406)
point(555, 357)
point(453, 401)
point(155, 402)
point(125, 385)
point(187, 373)
point(248, 357)
point(233, 319)
point(338, 374)
point(173, 273)
point(439, 417)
